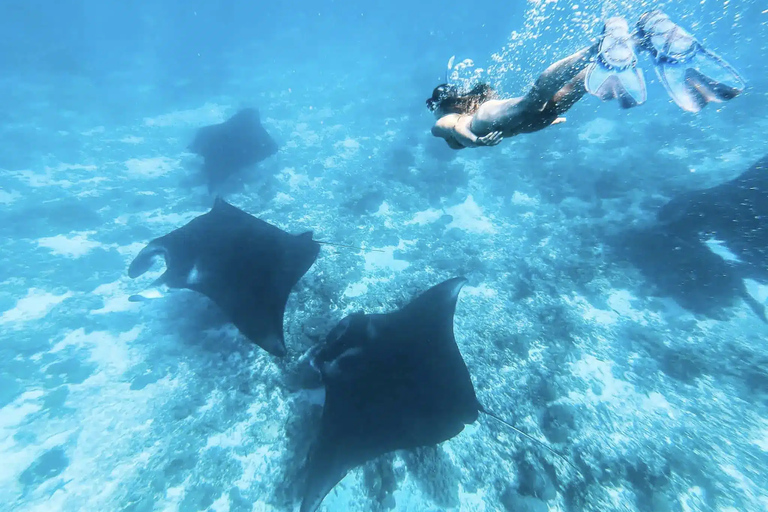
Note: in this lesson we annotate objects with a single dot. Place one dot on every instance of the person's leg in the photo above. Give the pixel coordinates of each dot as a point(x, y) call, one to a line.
point(558, 76)
point(573, 91)
point(516, 114)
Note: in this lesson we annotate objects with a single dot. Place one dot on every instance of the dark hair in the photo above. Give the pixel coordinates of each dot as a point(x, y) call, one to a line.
point(448, 99)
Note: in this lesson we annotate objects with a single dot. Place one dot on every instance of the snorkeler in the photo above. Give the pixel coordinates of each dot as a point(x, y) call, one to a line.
point(692, 75)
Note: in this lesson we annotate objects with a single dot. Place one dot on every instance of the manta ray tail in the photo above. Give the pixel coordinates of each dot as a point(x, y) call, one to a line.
point(348, 246)
point(527, 436)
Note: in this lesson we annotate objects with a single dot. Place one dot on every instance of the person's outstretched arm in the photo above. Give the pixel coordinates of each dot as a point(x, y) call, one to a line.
point(455, 129)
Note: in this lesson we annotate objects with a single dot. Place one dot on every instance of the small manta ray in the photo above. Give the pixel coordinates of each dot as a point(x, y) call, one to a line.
point(392, 381)
point(245, 265)
point(231, 146)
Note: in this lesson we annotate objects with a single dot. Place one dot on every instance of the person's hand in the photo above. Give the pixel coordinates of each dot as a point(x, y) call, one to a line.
point(491, 139)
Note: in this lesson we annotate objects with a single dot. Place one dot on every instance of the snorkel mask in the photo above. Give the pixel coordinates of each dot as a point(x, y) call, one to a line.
point(439, 94)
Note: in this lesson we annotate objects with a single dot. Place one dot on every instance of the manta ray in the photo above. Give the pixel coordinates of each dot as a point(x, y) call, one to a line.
point(231, 146)
point(392, 381)
point(708, 247)
point(245, 265)
point(735, 213)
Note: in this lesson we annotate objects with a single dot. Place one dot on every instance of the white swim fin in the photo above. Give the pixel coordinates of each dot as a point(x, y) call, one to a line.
point(692, 75)
point(614, 73)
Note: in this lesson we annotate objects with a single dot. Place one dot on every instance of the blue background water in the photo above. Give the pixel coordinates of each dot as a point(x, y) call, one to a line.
point(108, 405)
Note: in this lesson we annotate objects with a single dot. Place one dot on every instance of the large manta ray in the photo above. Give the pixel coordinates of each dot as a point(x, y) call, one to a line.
point(705, 244)
point(392, 381)
point(231, 146)
point(735, 212)
point(245, 265)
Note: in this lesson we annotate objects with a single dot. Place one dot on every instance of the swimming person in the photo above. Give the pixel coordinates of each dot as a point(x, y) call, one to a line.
point(692, 75)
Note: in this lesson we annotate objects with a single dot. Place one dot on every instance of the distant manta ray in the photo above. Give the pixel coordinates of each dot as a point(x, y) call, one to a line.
point(734, 212)
point(392, 381)
point(229, 147)
point(707, 245)
point(245, 265)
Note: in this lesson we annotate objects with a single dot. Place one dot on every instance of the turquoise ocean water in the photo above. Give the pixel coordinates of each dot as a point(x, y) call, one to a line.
point(658, 394)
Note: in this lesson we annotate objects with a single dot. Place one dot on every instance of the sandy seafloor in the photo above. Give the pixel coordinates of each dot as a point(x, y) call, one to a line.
point(111, 405)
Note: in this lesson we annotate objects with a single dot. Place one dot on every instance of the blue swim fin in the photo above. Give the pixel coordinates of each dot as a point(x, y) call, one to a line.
point(692, 75)
point(614, 73)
